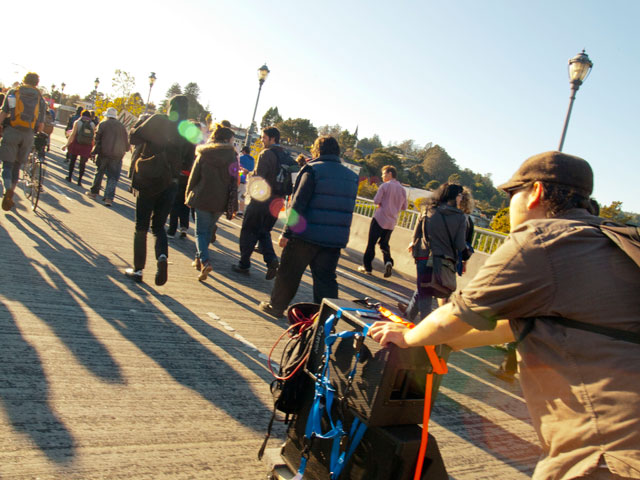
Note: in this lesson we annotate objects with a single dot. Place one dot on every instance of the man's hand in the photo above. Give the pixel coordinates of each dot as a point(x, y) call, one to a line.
point(64, 147)
point(389, 332)
point(282, 241)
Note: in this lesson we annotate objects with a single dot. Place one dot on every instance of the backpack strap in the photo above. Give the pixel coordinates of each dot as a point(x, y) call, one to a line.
point(615, 333)
point(626, 238)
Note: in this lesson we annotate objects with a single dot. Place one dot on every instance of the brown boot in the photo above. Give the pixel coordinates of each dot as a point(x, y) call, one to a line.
point(7, 200)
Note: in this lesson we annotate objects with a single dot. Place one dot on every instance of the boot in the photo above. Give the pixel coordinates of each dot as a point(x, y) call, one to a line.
point(139, 249)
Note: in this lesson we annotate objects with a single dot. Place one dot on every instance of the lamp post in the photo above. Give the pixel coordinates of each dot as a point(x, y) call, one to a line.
point(53, 88)
point(263, 71)
point(96, 82)
point(152, 80)
point(579, 69)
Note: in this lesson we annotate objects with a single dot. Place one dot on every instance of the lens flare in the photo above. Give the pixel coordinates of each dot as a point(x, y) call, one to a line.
point(173, 116)
point(296, 222)
point(258, 189)
point(276, 206)
point(190, 132)
point(233, 169)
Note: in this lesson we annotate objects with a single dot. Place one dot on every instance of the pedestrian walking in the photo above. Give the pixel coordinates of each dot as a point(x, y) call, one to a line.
point(80, 144)
point(111, 144)
point(390, 200)
point(212, 190)
point(155, 181)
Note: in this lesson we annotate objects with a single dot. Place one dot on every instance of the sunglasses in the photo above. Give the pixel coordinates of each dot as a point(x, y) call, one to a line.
point(512, 192)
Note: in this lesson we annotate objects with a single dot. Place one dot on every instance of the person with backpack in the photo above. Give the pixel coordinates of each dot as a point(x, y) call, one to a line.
point(438, 239)
point(67, 131)
point(24, 108)
point(80, 144)
point(565, 285)
point(267, 187)
point(155, 182)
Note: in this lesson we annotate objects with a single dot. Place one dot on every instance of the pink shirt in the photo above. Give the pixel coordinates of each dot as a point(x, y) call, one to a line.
point(391, 199)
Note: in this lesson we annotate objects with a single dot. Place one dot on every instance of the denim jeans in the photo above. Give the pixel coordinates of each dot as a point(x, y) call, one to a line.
point(205, 222)
point(382, 236)
point(152, 212)
point(296, 256)
point(420, 301)
point(112, 167)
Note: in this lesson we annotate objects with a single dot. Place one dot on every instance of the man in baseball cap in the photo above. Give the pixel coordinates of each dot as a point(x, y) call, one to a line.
point(565, 291)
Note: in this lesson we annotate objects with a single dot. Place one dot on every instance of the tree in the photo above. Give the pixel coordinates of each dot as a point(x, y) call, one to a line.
point(380, 158)
point(500, 222)
point(271, 117)
point(416, 176)
point(438, 164)
point(174, 90)
point(367, 189)
point(123, 83)
point(192, 92)
point(614, 212)
point(369, 145)
point(333, 130)
point(454, 178)
point(298, 131)
point(346, 141)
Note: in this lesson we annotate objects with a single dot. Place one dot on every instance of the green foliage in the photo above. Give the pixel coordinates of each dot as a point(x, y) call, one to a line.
point(333, 130)
point(500, 222)
point(380, 158)
point(420, 202)
point(357, 154)
point(614, 212)
point(367, 189)
point(298, 131)
point(347, 142)
point(454, 178)
point(438, 164)
point(369, 145)
point(271, 117)
point(416, 177)
point(133, 104)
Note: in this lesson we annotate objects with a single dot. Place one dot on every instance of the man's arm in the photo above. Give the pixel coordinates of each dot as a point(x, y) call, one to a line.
point(380, 195)
point(301, 198)
point(479, 338)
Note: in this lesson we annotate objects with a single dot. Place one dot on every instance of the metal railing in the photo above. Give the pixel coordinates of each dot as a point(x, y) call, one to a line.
point(484, 240)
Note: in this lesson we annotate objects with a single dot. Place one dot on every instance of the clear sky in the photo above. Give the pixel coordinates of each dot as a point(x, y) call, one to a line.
point(487, 80)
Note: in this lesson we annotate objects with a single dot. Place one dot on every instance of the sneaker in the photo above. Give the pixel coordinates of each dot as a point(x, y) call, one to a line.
point(238, 269)
point(135, 275)
point(171, 234)
point(272, 270)
point(508, 377)
point(361, 269)
point(197, 264)
point(90, 194)
point(7, 201)
point(107, 203)
point(206, 269)
point(266, 307)
point(161, 273)
point(183, 232)
point(239, 214)
point(388, 268)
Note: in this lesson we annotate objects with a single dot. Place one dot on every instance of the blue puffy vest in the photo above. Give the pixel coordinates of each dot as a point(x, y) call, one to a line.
point(330, 210)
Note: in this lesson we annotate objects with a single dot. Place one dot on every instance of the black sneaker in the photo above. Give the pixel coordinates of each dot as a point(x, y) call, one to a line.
point(388, 268)
point(238, 269)
point(272, 270)
point(135, 275)
point(162, 273)
point(266, 307)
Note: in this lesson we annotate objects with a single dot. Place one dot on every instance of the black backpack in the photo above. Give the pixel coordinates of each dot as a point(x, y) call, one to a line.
point(283, 185)
point(291, 382)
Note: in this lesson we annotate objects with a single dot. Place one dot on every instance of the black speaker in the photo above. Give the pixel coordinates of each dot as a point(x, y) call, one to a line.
point(389, 385)
point(384, 453)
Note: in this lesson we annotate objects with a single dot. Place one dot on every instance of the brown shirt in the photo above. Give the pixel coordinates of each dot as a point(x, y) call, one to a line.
point(582, 388)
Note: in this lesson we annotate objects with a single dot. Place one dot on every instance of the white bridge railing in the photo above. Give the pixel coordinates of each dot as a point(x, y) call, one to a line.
point(484, 240)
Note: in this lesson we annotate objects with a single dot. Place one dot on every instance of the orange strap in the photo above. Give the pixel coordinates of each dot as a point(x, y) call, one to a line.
point(439, 366)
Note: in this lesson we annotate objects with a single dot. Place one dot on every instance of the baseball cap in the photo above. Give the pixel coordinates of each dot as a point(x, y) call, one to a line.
point(111, 113)
point(554, 167)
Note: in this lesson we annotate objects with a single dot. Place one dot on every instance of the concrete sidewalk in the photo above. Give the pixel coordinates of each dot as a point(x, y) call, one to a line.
point(101, 377)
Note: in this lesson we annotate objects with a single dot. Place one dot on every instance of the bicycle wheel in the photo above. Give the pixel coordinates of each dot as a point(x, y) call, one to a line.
point(36, 184)
point(27, 175)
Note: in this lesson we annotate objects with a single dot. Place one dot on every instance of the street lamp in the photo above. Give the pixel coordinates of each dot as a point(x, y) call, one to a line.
point(579, 69)
point(96, 82)
point(152, 80)
point(62, 85)
point(263, 71)
point(53, 87)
